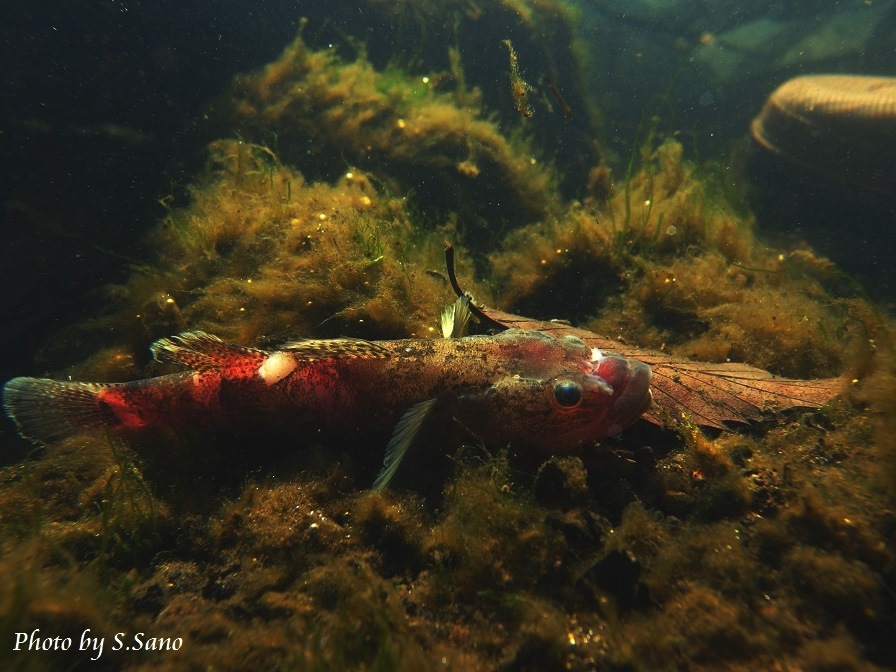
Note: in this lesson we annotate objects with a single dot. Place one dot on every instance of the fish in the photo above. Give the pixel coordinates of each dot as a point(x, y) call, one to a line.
point(561, 101)
point(530, 389)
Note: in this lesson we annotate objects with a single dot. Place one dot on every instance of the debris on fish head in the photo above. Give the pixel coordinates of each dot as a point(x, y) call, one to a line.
point(555, 404)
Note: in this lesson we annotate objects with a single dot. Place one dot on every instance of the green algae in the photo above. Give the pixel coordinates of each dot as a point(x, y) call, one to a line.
point(456, 46)
point(254, 260)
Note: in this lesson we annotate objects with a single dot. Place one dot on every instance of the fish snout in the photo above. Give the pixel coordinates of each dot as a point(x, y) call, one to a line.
point(630, 380)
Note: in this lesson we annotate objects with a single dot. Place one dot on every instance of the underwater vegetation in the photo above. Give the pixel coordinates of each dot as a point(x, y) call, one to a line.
point(328, 115)
point(261, 256)
point(769, 547)
point(667, 263)
point(676, 550)
point(456, 46)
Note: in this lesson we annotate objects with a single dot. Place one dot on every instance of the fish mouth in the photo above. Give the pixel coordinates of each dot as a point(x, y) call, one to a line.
point(630, 380)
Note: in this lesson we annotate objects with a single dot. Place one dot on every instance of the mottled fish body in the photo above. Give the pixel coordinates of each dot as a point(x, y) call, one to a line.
point(524, 387)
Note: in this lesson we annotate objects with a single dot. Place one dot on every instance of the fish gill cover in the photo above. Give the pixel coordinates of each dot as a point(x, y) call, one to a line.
point(678, 549)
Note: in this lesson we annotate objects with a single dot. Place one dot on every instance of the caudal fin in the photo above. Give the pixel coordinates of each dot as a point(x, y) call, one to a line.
point(46, 410)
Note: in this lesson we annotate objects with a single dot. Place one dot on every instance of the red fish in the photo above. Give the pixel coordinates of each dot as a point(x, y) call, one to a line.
point(524, 387)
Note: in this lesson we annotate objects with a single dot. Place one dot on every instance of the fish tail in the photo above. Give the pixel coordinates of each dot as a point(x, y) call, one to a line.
point(46, 410)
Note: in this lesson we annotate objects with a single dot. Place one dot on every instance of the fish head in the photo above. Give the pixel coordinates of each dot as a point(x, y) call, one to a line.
point(586, 397)
point(586, 407)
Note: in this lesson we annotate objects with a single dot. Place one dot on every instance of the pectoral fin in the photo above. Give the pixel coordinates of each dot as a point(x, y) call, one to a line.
point(402, 438)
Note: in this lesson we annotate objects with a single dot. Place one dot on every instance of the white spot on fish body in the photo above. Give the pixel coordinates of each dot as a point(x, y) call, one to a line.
point(596, 355)
point(276, 367)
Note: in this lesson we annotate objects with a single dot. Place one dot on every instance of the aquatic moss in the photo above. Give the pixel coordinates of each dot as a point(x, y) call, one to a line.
point(329, 115)
point(393, 527)
point(260, 256)
point(74, 524)
point(700, 625)
point(482, 507)
point(88, 496)
point(364, 614)
point(834, 583)
point(44, 590)
point(667, 264)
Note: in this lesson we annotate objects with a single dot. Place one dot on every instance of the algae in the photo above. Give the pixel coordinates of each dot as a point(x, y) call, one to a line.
point(667, 262)
point(329, 114)
point(261, 256)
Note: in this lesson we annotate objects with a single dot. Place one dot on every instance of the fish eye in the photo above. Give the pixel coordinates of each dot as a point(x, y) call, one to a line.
point(568, 393)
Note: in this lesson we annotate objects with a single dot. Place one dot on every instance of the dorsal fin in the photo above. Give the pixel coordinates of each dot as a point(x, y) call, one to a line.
point(456, 318)
point(335, 348)
point(199, 351)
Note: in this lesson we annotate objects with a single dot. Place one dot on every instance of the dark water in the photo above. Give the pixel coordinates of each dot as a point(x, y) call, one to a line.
point(101, 105)
point(109, 110)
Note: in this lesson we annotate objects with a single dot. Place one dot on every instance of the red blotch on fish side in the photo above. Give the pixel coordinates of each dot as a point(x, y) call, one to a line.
point(117, 400)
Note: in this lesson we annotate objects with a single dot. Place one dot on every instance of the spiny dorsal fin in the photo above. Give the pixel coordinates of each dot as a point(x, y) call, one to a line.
point(199, 351)
point(335, 348)
point(456, 318)
point(402, 438)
